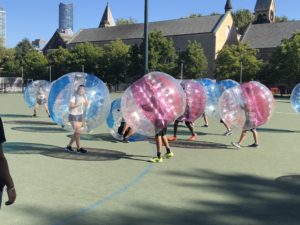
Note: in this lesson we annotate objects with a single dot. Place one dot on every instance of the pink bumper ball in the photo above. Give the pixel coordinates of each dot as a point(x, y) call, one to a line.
point(247, 106)
point(195, 100)
point(153, 102)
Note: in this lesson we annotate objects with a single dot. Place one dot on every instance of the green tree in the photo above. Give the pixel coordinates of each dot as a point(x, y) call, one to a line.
point(87, 55)
point(285, 62)
point(22, 48)
point(136, 67)
point(60, 61)
point(280, 19)
point(116, 60)
point(35, 66)
point(195, 62)
point(124, 21)
point(230, 58)
point(162, 54)
point(8, 62)
point(242, 18)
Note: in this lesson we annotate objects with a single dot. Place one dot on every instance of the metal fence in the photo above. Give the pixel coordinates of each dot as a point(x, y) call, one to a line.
point(11, 84)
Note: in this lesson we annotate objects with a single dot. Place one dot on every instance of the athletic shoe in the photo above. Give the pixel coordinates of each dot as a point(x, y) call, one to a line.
point(69, 149)
point(235, 144)
point(173, 138)
point(228, 133)
point(205, 125)
point(81, 150)
point(34, 115)
point(192, 138)
point(168, 155)
point(254, 145)
point(125, 140)
point(156, 160)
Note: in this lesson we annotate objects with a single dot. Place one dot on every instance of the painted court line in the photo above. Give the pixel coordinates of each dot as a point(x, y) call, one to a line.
point(107, 198)
point(286, 113)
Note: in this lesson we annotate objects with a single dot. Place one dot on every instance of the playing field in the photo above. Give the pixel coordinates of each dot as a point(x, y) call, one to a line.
point(207, 182)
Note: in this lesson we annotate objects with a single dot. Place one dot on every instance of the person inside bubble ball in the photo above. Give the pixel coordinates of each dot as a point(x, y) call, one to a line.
point(189, 124)
point(41, 99)
point(77, 104)
point(125, 131)
point(248, 123)
point(161, 138)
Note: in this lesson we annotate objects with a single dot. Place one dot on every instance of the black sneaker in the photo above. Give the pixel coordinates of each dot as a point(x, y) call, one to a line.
point(69, 149)
point(125, 140)
point(254, 145)
point(34, 115)
point(205, 125)
point(81, 150)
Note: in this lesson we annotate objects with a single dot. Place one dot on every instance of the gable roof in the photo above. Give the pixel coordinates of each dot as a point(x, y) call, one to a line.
point(269, 35)
point(262, 5)
point(205, 24)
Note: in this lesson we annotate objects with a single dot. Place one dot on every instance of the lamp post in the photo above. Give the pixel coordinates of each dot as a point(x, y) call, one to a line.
point(241, 74)
point(181, 73)
point(50, 74)
point(146, 40)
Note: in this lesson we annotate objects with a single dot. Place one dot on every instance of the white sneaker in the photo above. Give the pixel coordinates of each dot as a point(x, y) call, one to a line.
point(235, 144)
point(228, 133)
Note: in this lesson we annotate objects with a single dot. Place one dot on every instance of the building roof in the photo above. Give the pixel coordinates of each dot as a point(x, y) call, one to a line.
point(228, 5)
point(107, 18)
point(262, 5)
point(205, 24)
point(269, 35)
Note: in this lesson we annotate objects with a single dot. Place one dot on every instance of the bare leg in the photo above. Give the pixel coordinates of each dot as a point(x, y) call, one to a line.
point(35, 109)
point(166, 142)
point(46, 109)
point(158, 145)
point(227, 127)
point(191, 128)
point(175, 127)
point(126, 127)
point(76, 136)
point(243, 137)
point(205, 120)
point(129, 133)
point(255, 136)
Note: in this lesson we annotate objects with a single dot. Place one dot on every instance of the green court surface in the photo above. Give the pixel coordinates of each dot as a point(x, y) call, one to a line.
point(207, 182)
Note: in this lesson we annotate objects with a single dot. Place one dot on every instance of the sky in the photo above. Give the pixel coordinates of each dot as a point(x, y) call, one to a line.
point(38, 19)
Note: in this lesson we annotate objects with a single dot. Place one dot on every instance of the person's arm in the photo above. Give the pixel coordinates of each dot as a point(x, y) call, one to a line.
point(73, 104)
point(7, 179)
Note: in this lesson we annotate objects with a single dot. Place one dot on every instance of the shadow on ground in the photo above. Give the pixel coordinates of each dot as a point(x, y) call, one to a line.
point(274, 130)
point(29, 122)
point(40, 129)
point(180, 143)
point(15, 116)
point(96, 137)
point(244, 200)
point(58, 152)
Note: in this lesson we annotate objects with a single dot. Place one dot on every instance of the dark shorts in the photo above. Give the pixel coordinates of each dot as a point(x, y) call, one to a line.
point(162, 133)
point(252, 130)
point(41, 101)
point(121, 128)
point(2, 134)
point(75, 118)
